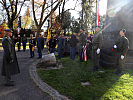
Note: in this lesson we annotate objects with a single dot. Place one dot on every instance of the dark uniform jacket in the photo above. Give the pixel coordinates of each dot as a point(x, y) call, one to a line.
point(97, 41)
point(122, 45)
point(61, 44)
point(32, 43)
point(40, 42)
point(82, 39)
point(19, 40)
point(73, 41)
point(10, 63)
point(52, 43)
point(24, 40)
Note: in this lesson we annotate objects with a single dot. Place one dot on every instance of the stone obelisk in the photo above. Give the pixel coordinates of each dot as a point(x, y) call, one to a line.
point(119, 15)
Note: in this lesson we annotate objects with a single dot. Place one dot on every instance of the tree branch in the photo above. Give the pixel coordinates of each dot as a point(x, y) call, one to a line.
point(16, 7)
point(11, 4)
point(51, 12)
point(1, 2)
point(34, 14)
point(20, 9)
point(7, 10)
point(42, 11)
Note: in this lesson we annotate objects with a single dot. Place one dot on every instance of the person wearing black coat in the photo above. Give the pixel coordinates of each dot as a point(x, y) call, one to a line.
point(19, 42)
point(24, 41)
point(52, 44)
point(61, 45)
point(73, 45)
point(40, 45)
point(32, 43)
point(10, 64)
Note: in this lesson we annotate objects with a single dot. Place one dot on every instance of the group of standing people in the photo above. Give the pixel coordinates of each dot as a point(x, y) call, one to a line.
point(32, 44)
point(10, 65)
point(53, 42)
point(83, 41)
point(40, 45)
point(95, 42)
point(20, 40)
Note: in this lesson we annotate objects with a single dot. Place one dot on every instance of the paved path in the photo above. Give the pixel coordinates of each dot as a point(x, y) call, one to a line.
point(24, 89)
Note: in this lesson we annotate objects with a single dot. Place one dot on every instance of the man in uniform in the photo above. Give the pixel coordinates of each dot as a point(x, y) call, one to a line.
point(14, 40)
point(10, 64)
point(32, 44)
point(96, 47)
point(24, 41)
point(121, 48)
point(19, 42)
point(40, 45)
point(82, 43)
point(61, 45)
point(52, 44)
point(73, 45)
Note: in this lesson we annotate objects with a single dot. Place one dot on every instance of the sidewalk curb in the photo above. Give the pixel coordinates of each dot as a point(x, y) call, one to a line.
point(44, 86)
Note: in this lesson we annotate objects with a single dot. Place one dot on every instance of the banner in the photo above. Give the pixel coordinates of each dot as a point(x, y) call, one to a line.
point(49, 32)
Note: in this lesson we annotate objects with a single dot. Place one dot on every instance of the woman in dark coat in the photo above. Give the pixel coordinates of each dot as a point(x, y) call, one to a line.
point(10, 64)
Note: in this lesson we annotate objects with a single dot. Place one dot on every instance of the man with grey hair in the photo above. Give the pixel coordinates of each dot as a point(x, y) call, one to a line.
point(96, 48)
point(10, 64)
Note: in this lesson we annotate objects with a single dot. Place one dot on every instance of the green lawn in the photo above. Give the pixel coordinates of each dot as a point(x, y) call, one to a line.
point(103, 86)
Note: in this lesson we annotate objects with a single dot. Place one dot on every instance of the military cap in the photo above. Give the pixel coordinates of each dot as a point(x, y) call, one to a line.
point(8, 30)
point(124, 30)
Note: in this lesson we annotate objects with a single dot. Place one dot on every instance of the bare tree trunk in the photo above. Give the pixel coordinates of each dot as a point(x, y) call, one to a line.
point(43, 19)
point(38, 31)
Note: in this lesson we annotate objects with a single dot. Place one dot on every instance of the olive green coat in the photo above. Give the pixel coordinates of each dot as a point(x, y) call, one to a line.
point(122, 48)
point(10, 63)
point(96, 43)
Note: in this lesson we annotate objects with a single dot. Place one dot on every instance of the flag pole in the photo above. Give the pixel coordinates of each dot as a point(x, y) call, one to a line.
point(96, 13)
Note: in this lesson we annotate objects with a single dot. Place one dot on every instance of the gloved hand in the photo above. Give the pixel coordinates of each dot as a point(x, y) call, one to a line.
point(122, 57)
point(11, 61)
point(98, 51)
point(115, 46)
